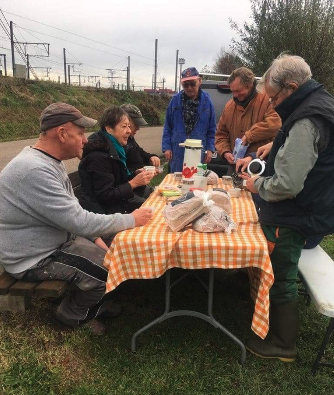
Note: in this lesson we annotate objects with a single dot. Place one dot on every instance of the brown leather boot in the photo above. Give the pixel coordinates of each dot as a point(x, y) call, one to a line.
point(281, 340)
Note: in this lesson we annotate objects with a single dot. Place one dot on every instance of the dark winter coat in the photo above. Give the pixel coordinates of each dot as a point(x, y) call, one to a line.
point(136, 157)
point(104, 180)
point(311, 212)
point(174, 131)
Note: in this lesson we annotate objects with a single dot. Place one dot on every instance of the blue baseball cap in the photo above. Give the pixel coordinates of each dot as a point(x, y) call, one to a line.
point(190, 73)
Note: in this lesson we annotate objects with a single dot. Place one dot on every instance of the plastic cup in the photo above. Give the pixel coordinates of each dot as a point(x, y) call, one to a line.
point(151, 169)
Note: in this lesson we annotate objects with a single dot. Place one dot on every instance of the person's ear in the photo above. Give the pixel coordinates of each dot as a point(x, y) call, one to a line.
point(293, 86)
point(61, 133)
point(200, 81)
point(109, 129)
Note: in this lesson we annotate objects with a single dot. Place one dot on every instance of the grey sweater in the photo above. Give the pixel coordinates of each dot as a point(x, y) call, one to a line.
point(38, 211)
point(294, 160)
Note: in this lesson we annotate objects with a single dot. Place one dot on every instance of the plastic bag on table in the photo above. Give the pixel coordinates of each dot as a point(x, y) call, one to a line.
point(216, 220)
point(186, 209)
point(221, 199)
point(212, 177)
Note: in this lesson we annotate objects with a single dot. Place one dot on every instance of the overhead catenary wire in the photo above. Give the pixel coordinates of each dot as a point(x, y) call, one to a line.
point(78, 35)
point(37, 50)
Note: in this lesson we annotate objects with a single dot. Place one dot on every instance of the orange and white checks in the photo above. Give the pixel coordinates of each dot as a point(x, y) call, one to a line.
point(149, 251)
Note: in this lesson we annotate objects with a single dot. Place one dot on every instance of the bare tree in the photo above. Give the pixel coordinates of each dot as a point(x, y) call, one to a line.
point(226, 62)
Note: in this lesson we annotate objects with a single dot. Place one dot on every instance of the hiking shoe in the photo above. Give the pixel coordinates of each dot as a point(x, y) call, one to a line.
point(65, 323)
point(97, 327)
point(113, 309)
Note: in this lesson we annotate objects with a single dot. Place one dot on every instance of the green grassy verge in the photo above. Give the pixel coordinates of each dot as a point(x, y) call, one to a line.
point(183, 355)
point(22, 102)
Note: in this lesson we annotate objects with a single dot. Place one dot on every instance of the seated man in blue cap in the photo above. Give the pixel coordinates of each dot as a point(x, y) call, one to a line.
point(190, 115)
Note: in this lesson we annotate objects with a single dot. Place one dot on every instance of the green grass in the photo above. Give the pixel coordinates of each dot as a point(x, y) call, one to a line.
point(183, 355)
point(180, 356)
point(22, 102)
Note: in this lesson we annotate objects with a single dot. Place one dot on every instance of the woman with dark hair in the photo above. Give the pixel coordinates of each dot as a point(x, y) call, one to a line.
point(107, 184)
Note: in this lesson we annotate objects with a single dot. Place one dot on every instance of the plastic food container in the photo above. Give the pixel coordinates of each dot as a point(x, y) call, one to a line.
point(187, 183)
point(227, 180)
point(234, 192)
point(201, 182)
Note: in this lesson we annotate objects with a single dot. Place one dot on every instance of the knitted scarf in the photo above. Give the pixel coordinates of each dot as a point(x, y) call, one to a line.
point(190, 113)
point(120, 150)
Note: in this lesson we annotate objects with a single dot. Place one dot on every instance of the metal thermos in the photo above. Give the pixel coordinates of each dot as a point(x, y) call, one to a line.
point(192, 157)
point(256, 167)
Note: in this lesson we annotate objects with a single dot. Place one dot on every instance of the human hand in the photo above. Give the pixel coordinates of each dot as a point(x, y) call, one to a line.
point(263, 151)
point(142, 178)
point(208, 156)
point(244, 140)
point(139, 170)
point(155, 161)
point(229, 157)
point(250, 183)
point(242, 164)
point(100, 243)
point(168, 155)
point(142, 216)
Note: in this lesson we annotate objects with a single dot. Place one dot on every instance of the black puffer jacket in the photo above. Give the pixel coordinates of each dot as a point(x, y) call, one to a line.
point(104, 180)
point(136, 157)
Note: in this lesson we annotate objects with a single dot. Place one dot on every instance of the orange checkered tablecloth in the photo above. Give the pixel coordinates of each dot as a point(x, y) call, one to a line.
point(149, 251)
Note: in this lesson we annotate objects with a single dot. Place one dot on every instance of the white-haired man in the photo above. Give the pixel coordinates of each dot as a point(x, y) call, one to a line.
point(296, 191)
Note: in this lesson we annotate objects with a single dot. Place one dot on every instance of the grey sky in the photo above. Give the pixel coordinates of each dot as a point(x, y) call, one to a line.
point(198, 29)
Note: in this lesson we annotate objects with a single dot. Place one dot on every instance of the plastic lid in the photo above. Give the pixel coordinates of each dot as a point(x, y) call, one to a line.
point(193, 143)
point(255, 167)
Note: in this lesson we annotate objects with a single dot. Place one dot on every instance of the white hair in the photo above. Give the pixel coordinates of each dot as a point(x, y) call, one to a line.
point(285, 69)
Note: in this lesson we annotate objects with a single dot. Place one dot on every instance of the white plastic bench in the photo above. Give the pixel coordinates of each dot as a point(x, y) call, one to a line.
point(316, 271)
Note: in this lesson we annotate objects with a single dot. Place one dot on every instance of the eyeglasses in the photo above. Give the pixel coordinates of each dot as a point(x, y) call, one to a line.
point(272, 100)
point(189, 83)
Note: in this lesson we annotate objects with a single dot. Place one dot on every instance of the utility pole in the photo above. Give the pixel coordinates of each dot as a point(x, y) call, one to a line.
point(79, 80)
point(65, 71)
point(69, 74)
point(12, 46)
point(28, 67)
point(4, 62)
point(155, 65)
point(128, 75)
point(152, 82)
point(163, 84)
point(111, 73)
point(177, 64)
point(93, 77)
point(181, 62)
point(47, 70)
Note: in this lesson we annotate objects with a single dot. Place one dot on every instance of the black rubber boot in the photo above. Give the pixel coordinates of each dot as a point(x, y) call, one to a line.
point(281, 340)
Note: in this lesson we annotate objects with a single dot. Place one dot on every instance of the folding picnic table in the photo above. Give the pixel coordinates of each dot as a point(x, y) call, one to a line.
point(148, 252)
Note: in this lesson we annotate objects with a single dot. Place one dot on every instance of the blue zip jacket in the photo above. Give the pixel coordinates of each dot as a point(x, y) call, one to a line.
point(174, 130)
